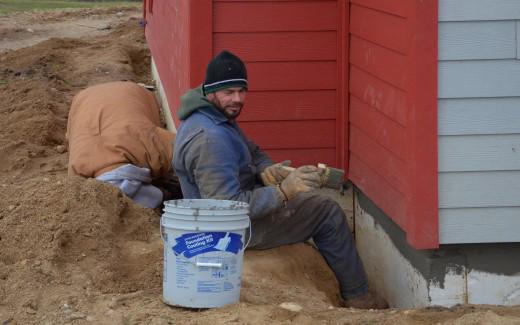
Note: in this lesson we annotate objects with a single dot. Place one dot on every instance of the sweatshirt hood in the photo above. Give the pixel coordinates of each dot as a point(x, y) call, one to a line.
point(192, 101)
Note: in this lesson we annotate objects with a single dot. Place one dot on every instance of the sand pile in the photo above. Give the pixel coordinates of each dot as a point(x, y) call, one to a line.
point(74, 232)
point(57, 232)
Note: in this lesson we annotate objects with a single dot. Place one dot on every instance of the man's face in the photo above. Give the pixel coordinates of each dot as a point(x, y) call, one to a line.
point(229, 101)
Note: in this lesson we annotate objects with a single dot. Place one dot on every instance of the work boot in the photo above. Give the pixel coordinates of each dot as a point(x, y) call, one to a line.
point(368, 300)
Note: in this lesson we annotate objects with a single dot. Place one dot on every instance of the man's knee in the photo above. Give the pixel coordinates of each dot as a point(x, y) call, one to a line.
point(321, 206)
point(335, 214)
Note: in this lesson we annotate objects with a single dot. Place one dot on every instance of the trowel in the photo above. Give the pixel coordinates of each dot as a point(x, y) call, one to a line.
point(223, 243)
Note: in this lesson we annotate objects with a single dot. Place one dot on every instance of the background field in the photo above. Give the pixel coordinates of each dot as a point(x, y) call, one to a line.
point(8, 6)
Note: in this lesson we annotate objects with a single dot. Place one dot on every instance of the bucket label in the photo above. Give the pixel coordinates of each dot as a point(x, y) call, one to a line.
point(193, 244)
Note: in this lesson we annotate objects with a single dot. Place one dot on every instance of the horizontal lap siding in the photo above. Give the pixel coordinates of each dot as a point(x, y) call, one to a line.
point(385, 111)
point(305, 156)
point(379, 159)
point(471, 10)
point(381, 191)
point(290, 49)
point(479, 78)
point(479, 189)
point(290, 105)
point(397, 8)
point(479, 116)
point(479, 110)
point(378, 127)
point(283, 46)
point(378, 61)
point(308, 75)
point(292, 134)
point(518, 39)
point(392, 36)
point(479, 152)
point(477, 40)
point(274, 16)
point(461, 224)
point(380, 95)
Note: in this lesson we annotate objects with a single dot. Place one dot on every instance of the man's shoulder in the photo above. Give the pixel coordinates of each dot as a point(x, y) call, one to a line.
point(202, 127)
point(199, 120)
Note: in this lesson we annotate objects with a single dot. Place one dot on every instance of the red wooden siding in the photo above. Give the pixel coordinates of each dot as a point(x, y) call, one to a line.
point(349, 83)
point(291, 52)
point(296, 104)
point(274, 16)
point(423, 221)
point(393, 103)
point(179, 37)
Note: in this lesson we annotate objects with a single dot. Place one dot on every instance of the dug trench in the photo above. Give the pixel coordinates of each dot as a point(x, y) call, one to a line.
point(78, 251)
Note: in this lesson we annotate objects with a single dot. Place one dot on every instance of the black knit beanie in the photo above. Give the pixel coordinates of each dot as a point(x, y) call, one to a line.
point(224, 71)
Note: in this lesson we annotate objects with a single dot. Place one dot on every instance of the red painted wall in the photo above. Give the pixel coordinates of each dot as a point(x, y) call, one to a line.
point(179, 36)
point(295, 107)
point(393, 111)
point(346, 83)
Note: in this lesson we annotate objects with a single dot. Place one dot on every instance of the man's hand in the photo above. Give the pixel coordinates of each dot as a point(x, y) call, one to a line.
point(303, 179)
point(275, 174)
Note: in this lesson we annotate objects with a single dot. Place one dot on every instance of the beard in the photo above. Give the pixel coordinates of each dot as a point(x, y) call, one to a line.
point(231, 111)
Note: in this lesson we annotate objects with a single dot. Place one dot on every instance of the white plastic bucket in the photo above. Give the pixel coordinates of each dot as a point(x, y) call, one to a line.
point(203, 251)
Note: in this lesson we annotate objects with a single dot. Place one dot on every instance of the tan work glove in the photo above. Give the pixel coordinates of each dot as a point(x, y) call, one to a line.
point(302, 179)
point(276, 173)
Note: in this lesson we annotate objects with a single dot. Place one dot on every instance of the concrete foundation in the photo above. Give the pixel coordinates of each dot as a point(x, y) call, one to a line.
point(453, 274)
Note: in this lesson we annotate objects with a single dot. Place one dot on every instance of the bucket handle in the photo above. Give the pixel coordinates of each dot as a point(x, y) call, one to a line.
point(250, 235)
point(208, 264)
point(245, 246)
point(161, 230)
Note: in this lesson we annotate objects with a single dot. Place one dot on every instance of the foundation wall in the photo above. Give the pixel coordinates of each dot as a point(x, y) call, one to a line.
point(450, 275)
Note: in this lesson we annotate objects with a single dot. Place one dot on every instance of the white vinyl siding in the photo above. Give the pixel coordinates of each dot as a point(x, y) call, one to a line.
point(473, 10)
point(477, 40)
point(479, 121)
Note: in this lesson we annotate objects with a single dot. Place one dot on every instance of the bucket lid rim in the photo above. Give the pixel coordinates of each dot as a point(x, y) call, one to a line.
point(185, 203)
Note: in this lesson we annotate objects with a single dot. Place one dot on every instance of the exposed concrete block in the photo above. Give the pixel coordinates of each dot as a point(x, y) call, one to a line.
point(405, 277)
point(452, 274)
point(493, 289)
point(389, 273)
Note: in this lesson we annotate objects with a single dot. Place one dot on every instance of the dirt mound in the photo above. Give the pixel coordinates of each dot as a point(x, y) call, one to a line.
point(59, 230)
point(75, 14)
point(37, 85)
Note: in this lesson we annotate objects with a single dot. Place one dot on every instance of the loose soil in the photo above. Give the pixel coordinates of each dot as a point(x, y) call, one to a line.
point(76, 250)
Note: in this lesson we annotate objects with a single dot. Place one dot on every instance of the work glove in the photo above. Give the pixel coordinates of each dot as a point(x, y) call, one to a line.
point(302, 179)
point(276, 173)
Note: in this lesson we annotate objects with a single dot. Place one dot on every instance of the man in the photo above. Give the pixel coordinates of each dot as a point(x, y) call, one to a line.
point(214, 159)
point(114, 135)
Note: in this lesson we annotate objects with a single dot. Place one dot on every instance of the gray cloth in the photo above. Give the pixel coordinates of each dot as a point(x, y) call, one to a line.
point(135, 183)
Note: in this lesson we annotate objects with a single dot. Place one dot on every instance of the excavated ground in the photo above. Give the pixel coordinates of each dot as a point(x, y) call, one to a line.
point(76, 250)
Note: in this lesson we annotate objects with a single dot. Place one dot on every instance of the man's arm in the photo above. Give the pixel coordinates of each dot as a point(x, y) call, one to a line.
point(216, 172)
point(260, 159)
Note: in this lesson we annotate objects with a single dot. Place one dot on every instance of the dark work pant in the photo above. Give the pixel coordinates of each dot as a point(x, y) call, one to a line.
point(318, 217)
